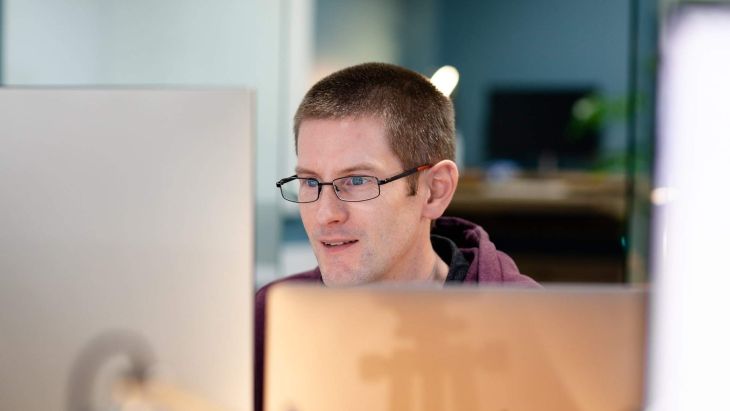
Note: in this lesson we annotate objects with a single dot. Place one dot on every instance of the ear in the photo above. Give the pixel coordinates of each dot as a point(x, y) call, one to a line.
point(440, 185)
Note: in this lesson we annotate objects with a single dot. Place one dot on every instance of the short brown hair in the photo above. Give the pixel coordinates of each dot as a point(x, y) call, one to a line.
point(418, 119)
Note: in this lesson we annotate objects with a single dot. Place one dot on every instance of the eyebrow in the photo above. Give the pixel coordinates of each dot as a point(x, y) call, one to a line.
point(357, 167)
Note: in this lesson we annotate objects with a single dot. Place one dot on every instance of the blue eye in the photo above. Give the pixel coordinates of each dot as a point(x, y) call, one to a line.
point(357, 180)
point(310, 182)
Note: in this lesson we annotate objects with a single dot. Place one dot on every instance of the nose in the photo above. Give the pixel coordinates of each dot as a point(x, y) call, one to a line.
point(330, 209)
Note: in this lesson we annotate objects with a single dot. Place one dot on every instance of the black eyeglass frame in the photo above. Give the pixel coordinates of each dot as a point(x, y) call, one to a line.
point(380, 182)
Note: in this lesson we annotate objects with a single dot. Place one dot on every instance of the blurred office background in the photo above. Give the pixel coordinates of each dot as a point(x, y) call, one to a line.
point(577, 214)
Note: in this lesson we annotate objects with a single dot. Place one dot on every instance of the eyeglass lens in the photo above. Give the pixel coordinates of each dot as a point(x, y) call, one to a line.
point(352, 188)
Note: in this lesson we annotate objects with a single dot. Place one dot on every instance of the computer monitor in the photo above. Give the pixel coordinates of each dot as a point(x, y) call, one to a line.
point(535, 127)
point(126, 239)
point(385, 348)
point(690, 337)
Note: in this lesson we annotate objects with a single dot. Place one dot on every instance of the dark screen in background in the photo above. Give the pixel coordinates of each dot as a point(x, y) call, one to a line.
point(530, 126)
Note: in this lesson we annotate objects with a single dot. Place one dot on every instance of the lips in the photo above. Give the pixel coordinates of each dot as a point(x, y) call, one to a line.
point(337, 243)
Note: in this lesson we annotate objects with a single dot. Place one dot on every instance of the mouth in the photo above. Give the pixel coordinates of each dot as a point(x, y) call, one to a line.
point(338, 244)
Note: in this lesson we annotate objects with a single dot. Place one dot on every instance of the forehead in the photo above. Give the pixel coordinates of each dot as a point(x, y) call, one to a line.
point(327, 147)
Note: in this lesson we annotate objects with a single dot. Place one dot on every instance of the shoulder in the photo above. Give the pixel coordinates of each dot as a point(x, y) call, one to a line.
point(486, 263)
point(307, 276)
point(511, 274)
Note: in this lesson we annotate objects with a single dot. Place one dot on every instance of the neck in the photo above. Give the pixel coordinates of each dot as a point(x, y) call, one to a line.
point(440, 269)
point(421, 264)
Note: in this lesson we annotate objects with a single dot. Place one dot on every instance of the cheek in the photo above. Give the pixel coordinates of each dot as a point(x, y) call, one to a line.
point(307, 216)
point(393, 229)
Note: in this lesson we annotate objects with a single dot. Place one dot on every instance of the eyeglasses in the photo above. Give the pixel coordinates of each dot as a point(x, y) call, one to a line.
point(351, 188)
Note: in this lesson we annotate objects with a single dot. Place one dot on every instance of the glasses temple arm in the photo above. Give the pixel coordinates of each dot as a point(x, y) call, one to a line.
point(404, 174)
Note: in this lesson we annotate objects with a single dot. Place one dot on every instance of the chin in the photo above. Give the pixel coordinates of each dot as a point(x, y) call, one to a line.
point(345, 278)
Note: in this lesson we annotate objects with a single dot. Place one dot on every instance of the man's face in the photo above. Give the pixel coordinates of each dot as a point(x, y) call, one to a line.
point(358, 242)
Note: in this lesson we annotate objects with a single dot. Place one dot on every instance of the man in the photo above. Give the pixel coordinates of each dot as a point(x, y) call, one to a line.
point(375, 172)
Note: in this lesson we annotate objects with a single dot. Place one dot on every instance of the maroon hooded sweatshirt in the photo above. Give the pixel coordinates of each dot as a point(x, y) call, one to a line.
point(476, 261)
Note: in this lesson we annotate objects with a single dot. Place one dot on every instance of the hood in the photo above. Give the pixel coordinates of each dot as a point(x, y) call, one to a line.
point(486, 263)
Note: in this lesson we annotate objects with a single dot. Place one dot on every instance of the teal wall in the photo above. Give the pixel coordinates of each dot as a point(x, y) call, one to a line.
point(536, 42)
point(533, 42)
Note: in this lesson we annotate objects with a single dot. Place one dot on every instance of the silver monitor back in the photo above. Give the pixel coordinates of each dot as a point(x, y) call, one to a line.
point(126, 240)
